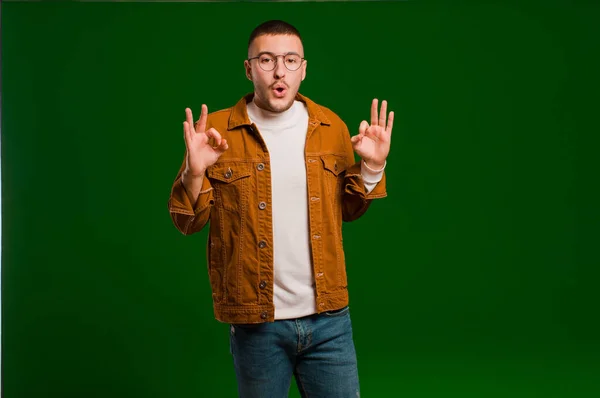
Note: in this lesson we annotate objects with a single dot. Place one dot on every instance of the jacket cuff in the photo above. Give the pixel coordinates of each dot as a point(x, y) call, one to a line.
point(355, 182)
point(180, 201)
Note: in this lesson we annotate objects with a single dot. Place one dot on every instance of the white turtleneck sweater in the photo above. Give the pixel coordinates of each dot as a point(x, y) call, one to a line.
point(285, 135)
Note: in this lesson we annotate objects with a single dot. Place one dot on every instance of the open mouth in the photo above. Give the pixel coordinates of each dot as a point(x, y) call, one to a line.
point(279, 91)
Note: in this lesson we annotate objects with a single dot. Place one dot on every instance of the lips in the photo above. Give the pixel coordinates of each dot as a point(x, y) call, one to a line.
point(279, 90)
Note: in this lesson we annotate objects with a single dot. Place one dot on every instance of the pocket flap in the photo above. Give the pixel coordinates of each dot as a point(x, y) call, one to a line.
point(228, 172)
point(334, 163)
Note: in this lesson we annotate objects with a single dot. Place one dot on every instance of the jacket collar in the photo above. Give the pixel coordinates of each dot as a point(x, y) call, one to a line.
point(239, 112)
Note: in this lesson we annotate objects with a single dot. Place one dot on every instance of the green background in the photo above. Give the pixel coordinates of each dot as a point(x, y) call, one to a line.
point(476, 277)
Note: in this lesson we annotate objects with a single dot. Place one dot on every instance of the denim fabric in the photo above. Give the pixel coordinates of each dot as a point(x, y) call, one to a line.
point(317, 350)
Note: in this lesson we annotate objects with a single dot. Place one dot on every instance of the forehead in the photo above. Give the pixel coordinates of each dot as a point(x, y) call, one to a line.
point(277, 44)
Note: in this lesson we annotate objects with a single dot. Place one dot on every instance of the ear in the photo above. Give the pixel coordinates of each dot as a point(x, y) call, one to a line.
point(248, 69)
point(304, 70)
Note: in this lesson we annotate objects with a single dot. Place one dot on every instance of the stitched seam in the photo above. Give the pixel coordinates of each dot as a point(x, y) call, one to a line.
point(269, 223)
point(378, 195)
point(261, 253)
point(299, 331)
point(223, 256)
point(187, 225)
point(241, 245)
point(311, 231)
point(220, 164)
point(235, 184)
point(218, 177)
point(302, 388)
point(235, 309)
point(332, 208)
point(177, 210)
point(338, 248)
point(342, 154)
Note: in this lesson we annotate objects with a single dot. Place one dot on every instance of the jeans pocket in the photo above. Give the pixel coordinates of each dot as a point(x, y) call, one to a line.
point(339, 312)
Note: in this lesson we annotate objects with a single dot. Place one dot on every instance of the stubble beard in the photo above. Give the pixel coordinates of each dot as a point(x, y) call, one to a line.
point(275, 104)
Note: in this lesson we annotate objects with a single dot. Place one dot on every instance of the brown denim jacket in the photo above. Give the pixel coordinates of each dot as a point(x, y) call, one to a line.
point(235, 202)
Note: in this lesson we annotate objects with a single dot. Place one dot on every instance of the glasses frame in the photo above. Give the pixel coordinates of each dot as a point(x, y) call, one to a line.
point(277, 60)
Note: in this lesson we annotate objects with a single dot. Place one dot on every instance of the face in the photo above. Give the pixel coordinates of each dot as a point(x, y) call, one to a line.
point(275, 90)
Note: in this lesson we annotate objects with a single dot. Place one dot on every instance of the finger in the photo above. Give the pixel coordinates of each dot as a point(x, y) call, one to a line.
point(363, 127)
point(383, 113)
point(186, 133)
point(223, 147)
point(189, 119)
point(201, 127)
point(390, 123)
point(212, 133)
point(374, 112)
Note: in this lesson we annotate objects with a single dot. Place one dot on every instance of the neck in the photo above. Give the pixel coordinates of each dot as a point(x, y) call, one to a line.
point(268, 118)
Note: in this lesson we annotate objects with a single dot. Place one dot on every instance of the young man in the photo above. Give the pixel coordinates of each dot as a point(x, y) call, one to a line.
point(274, 177)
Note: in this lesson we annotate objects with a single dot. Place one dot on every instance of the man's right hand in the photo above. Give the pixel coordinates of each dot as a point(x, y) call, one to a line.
point(200, 153)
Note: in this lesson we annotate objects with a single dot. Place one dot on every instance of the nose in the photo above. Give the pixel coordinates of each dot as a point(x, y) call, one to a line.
point(279, 70)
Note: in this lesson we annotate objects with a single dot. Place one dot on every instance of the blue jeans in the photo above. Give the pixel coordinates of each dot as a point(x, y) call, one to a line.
point(317, 350)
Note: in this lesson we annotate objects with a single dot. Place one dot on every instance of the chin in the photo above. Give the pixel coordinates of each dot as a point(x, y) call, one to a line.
point(274, 104)
point(281, 104)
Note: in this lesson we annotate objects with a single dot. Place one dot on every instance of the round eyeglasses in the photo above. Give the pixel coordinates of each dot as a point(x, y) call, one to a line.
point(268, 62)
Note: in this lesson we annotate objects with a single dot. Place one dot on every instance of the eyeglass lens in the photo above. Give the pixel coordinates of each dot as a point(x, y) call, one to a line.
point(268, 62)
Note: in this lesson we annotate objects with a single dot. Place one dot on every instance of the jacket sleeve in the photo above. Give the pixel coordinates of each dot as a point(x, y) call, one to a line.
point(190, 217)
point(355, 198)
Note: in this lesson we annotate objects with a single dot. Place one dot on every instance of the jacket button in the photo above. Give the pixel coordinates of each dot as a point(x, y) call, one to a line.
point(260, 166)
point(263, 284)
point(262, 205)
point(228, 173)
point(335, 166)
point(264, 315)
point(262, 244)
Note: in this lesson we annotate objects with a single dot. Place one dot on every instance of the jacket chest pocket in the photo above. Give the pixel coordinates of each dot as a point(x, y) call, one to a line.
point(334, 167)
point(231, 182)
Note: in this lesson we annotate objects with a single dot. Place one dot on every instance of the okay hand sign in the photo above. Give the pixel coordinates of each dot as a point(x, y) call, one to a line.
point(200, 153)
point(372, 143)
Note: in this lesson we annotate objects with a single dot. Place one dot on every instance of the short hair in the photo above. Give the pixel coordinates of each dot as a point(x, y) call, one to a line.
point(273, 27)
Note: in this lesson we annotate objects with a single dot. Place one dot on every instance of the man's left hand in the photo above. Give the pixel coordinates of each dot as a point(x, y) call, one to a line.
point(372, 143)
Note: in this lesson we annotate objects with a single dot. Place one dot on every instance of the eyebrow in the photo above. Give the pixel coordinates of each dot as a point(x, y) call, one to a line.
point(270, 53)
